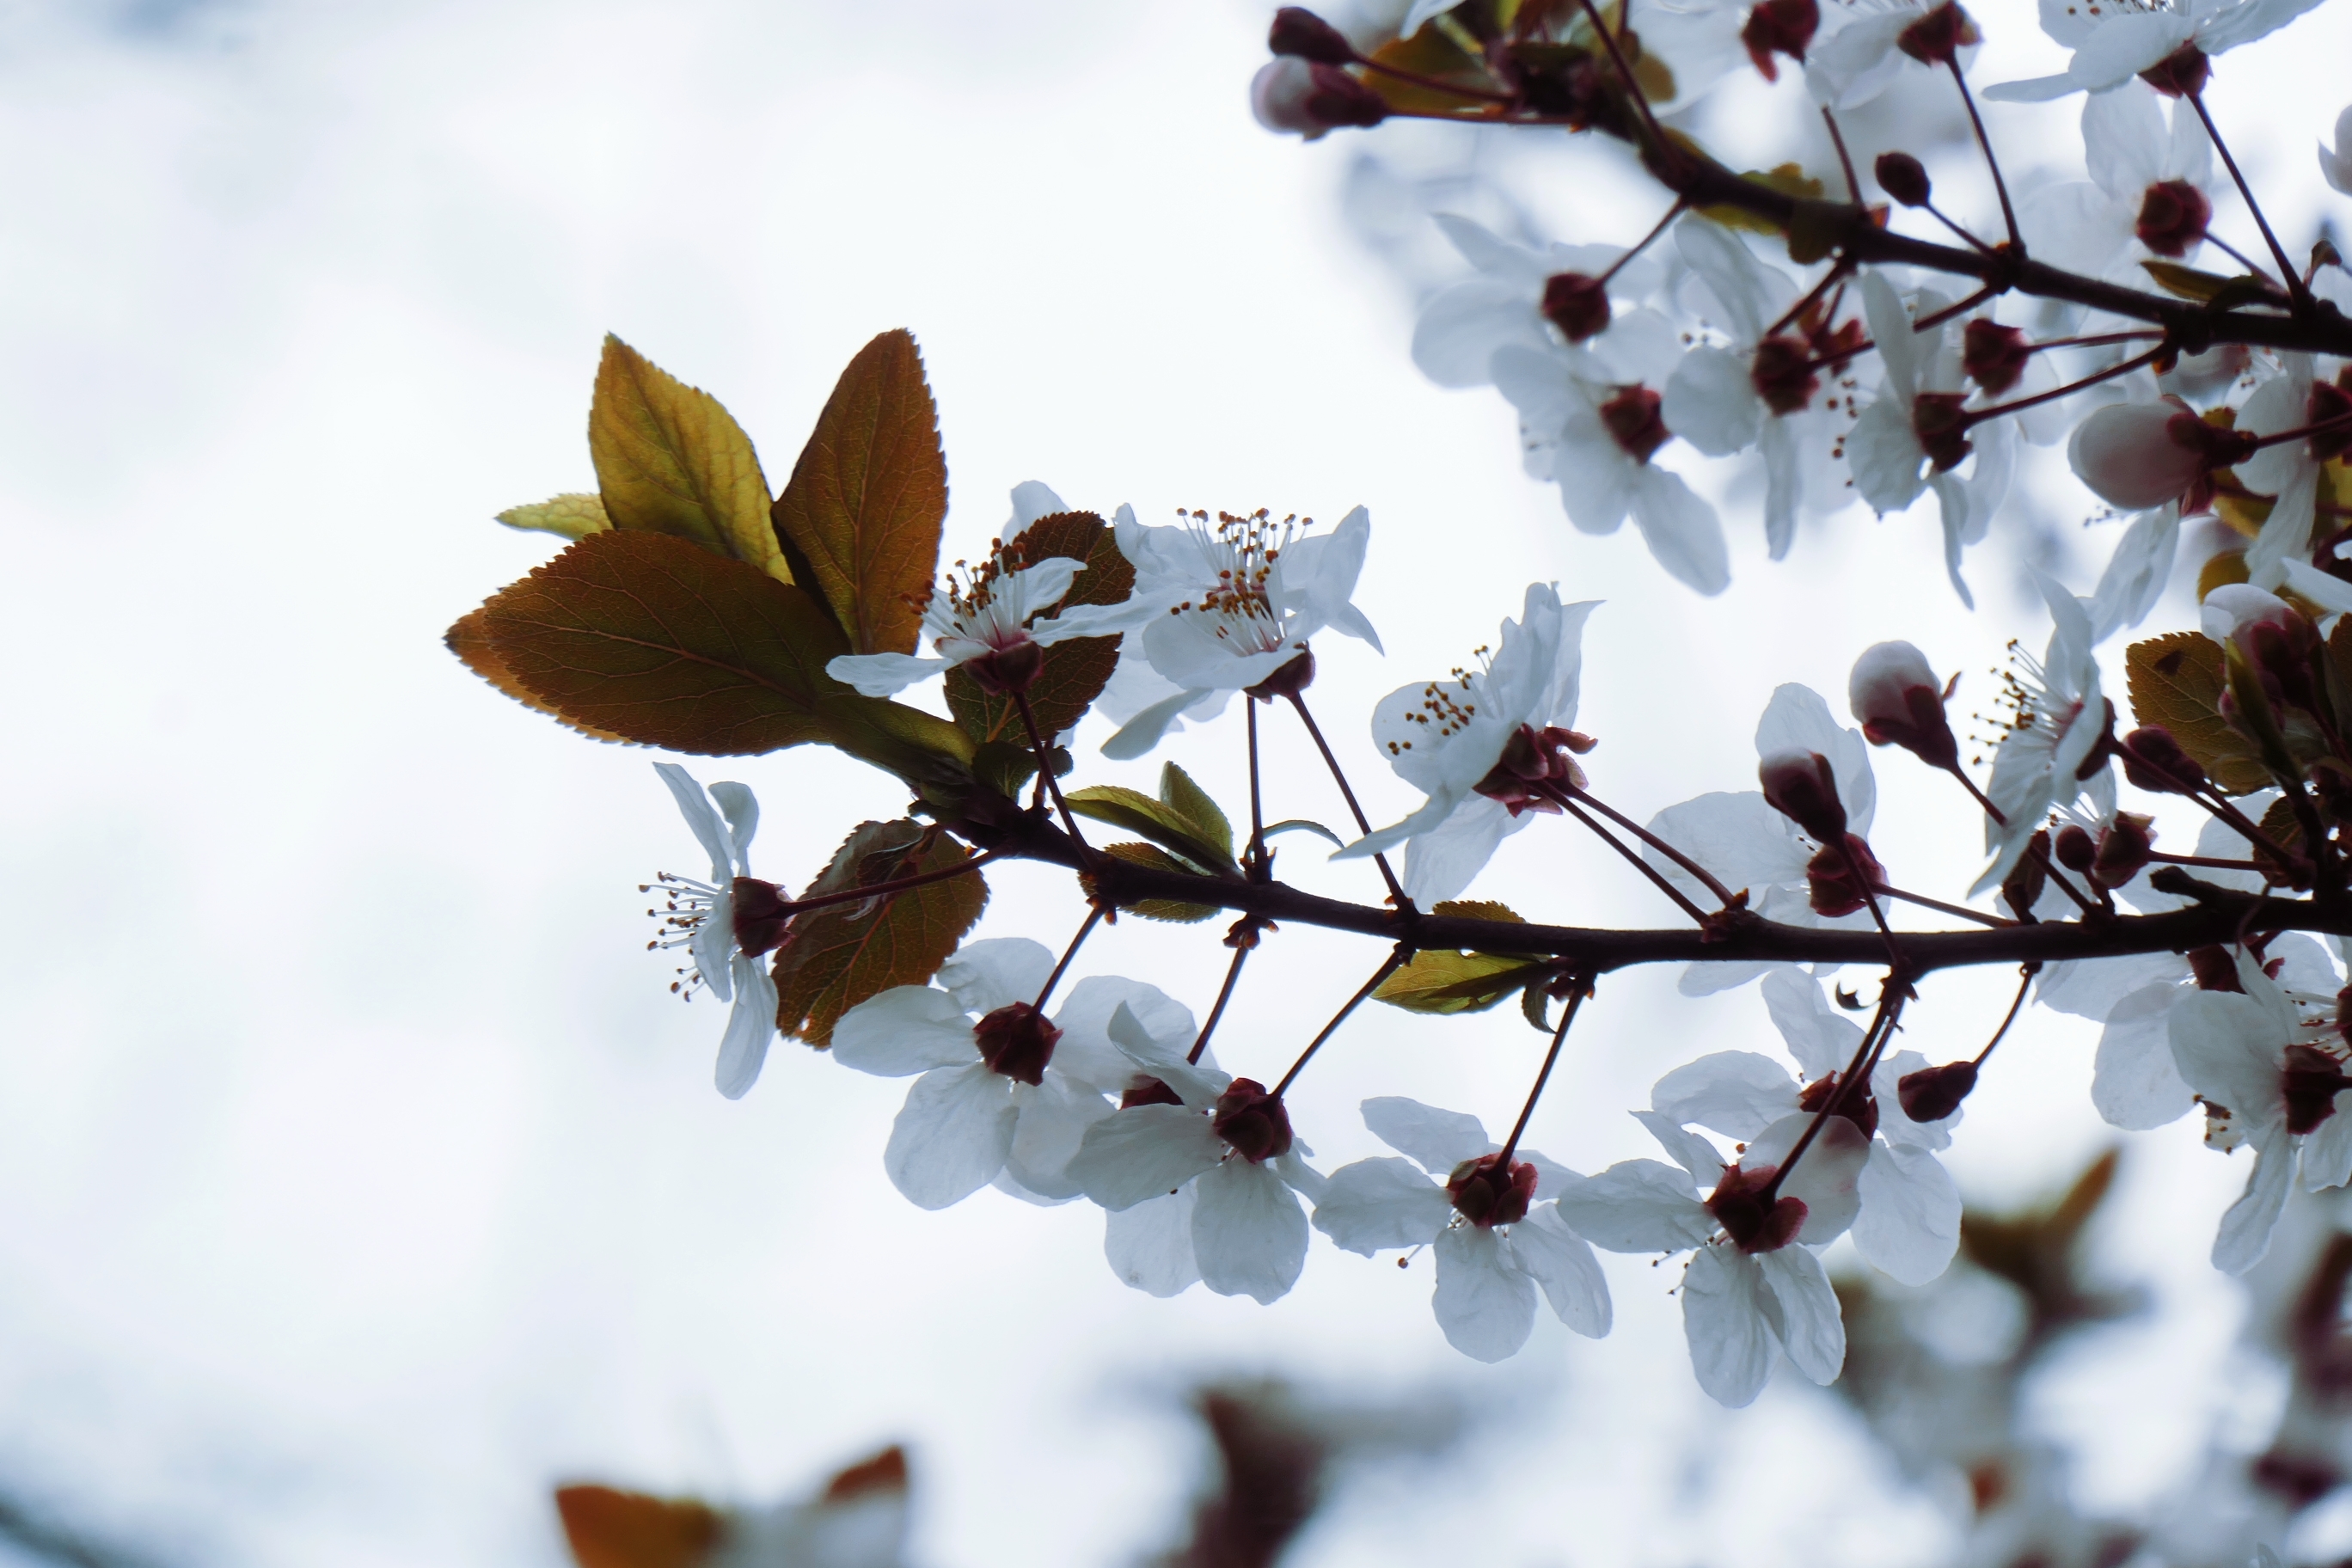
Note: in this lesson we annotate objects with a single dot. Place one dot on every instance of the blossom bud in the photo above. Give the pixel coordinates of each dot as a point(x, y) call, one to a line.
point(1779, 26)
point(1839, 879)
point(1292, 94)
point(1784, 374)
point(1016, 1041)
point(1993, 356)
point(2074, 848)
point(2214, 969)
point(1289, 681)
point(1942, 427)
point(2181, 74)
point(2251, 617)
point(2022, 889)
point(2141, 455)
point(1802, 787)
point(2125, 846)
point(2330, 405)
point(2155, 761)
point(2172, 218)
point(1904, 178)
point(1738, 1205)
point(1933, 1093)
point(1253, 1121)
point(1937, 37)
point(1148, 1090)
point(1487, 1196)
point(1007, 671)
point(1861, 1109)
point(1301, 34)
point(2308, 1084)
point(1632, 419)
point(1532, 760)
point(759, 915)
point(1577, 303)
point(1900, 702)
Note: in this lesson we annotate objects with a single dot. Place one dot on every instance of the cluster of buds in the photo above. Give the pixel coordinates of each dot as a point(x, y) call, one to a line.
point(1536, 766)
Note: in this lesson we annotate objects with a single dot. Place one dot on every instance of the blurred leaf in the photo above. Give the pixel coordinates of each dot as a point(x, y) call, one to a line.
point(609, 1528)
point(885, 1472)
point(2279, 822)
point(1789, 179)
point(1445, 981)
point(833, 958)
point(2175, 680)
point(670, 460)
point(656, 640)
point(1159, 860)
point(1478, 910)
point(2040, 1252)
point(574, 515)
point(1183, 819)
point(1074, 672)
point(1301, 824)
point(469, 639)
point(867, 496)
point(2229, 566)
point(1429, 53)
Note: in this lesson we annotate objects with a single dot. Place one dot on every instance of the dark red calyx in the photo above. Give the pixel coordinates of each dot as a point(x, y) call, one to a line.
point(1929, 735)
point(2155, 761)
point(1335, 98)
point(2308, 1083)
point(1486, 1194)
point(2214, 968)
point(2215, 447)
point(1860, 1108)
point(1784, 373)
point(1942, 427)
point(1016, 1041)
point(1253, 1121)
point(2327, 404)
point(1904, 178)
point(1148, 1090)
point(1831, 885)
point(1933, 1093)
point(1937, 37)
point(1008, 671)
point(1533, 763)
point(1300, 32)
point(1633, 420)
point(1802, 787)
point(2181, 74)
point(1780, 28)
point(2344, 1014)
point(1994, 356)
point(2172, 218)
point(1577, 303)
point(760, 914)
point(2022, 889)
point(2074, 848)
point(2125, 846)
point(1289, 681)
point(1833, 346)
point(1753, 1225)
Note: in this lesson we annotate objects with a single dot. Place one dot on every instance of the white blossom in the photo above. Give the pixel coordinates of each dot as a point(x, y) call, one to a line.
point(701, 918)
point(1502, 304)
point(2112, 44)
point(2062, 716)
point(2335, 163)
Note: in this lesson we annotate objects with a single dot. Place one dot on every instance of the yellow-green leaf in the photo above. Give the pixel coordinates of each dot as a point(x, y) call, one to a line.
point(1205, 839)
point(2176, 680)
point(1478, 910)
point(574, 515)
point(2186, 282)
point(1159, 860)
point(1448, 982)
point(1789, 179)
point(670, 460)
point(867, 496)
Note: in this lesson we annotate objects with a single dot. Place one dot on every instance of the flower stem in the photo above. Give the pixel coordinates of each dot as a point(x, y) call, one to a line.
point(1656, 843)
point(1625, 76)
point(1257, 869)
point(2055, 875)
point(1451, 89)
point(1865, 1057)
point(2301, 295)
point(2024, 980)
point(1959, 910)
point(1395, 961)
point(1045, 772)
point(2008, 213)
point(1633, 857)
point(1224, 994)
point(1086, 929)
point(1959, 308)
point(1648, 239)
point(1363, 823)
point(1583, 988)
point(1979, 415)
point(1845, 159)
point(883, 889)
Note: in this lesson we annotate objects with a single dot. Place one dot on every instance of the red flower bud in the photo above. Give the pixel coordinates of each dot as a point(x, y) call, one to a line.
point(1487, 1196)
point(1008, 670)
point(2172, 218)
point(1253, 1121)
point(1993, 356)
point(1148, 1090)
point(2309, 1083)
point(1784, 373)
point(1937, 37)
point(1631, 418)
point(1739, 1206)
point(1289, 681)
point(759, 915)
point(1302, 34)
point(1292, 94)
point(1933, 1093)
point(2074, 848)
point(1802, 787)
point(2181, 74)
point(2125, 846)
point(1016, 1041)
point(2022, 889)
point(1779, 26)
point(1831, 887)
point(1895, 695)
point(2215, 969)
point(1860, 1109)
point(1577, 303)
point(1942, 427)
point(2154, 761)
point(1904, 178)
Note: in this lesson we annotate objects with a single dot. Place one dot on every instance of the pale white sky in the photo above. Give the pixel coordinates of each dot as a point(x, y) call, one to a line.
point(358, 1177)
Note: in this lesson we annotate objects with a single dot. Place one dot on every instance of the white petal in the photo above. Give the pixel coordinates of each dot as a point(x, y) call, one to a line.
point(2125, 44)
point(1143, 732)
point(904, 1030)
point(1884, 455)
point(2134, 1083)
point(1440, 1140)
point(1681, 530)
point(882, 674)
point(1163, 1057)
point(2137, 572)
point(1380, 1203)
point(2327, 1148)
point(2245, 1233)
point(951, 1137)
point(1486, 1306)
point(1711, 402)
point(1691, 1151)
point(1561, 1262)
point(1784, 486)
point(1637, 1205)
point(1085, 1050)
point(1798, 718)
point(1143, 1153)
point(1150, 1246)
point(1741, 840)
point(1249, 1234)
point(1030, 501)
point(1731, 1344)
point(742, 812)
point(2091, 988)
point(2121, 133)
point(1822, 1039)
point(1826, 1180)
point(751, 1025)
point(1454, 340)
point(1052, 1121)
point(1737, 1093)
point(1811, 1329)
point(1751, 292)
point(695, 806)
point(1910, 1221)
point(2229, 1049)
point(985, 975)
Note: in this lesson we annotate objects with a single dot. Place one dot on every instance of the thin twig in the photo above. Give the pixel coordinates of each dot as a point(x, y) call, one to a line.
point(1363, 823)
point(1086, 929)
point(1634, 857)
point(1583, 988)
point(2295, 289)
point(1395, 962)
point(1224, 994)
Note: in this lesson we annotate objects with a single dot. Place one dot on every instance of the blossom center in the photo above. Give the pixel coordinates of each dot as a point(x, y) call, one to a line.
point(1754, 1221)
point(1861, 1109)
point(1016, 1041)
point(1535, 763)
point(2172, 218)
point(1253, 1122)
point(1784, 371)
point(2308, 1084)
point(1577, 303)
point(1633, 422)
point(1487, 1195)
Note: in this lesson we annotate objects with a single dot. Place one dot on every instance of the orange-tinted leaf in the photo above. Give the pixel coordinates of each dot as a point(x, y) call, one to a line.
point(1074, 672)
point(656, 640)
point(2176, 680)
point(835, 957)
point(610, 1528)
point(469, 639)
point(885, 1472)
point(868, 495)
point(670, 460)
